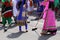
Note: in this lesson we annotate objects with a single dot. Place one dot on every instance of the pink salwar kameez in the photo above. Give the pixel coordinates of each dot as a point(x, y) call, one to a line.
point(49, 20)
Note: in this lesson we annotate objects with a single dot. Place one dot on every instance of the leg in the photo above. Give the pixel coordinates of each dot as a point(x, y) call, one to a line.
point(14, 19)
point(26, 27)
point(9, 21)
point(28, 20)
point(20, 28)
point(4, 22)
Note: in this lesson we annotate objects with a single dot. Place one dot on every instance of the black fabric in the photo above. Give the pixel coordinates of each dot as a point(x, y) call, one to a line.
point(59, 4)
point(6, 8)
point(40, 8)
point(51, 5)
point(35, 1)
point(59, 1)
point(18, 5)
point(24, 1)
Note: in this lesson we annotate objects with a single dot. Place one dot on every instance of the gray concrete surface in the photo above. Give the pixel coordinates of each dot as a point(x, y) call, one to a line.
point(14, 34)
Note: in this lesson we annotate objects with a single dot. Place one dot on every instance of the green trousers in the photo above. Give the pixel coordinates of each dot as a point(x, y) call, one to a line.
point(5, 20)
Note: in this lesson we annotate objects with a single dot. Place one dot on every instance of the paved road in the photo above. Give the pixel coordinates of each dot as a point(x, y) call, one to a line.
point(14, 34)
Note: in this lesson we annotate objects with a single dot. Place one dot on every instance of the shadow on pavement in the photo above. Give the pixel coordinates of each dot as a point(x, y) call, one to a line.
point(36, 19)
point(58, 19)
point(58, 28)
point(45, 37)
point(15, 35)
point(1, 28)
point(11, 26)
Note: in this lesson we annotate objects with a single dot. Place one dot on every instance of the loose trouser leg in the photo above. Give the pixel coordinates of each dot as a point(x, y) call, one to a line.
point(20, 28)
point(3, 20)
point(9, 21)
point(26, 27)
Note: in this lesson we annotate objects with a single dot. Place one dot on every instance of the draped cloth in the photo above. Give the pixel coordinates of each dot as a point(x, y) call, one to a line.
point(49, 18)
point(15, 11)
point(4, 0)
point(56, 3)
point(20, 17)
point(7, 9)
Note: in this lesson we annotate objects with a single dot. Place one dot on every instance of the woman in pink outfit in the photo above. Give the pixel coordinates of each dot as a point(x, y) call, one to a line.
point(49, 18)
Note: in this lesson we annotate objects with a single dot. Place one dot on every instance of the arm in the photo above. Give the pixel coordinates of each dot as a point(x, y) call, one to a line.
point(45, 10)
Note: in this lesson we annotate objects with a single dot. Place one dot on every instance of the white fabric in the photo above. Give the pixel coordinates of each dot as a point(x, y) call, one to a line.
point(28, 5)
point(15, 12)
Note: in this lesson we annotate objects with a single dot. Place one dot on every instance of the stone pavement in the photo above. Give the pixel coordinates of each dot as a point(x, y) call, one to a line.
point(14, 34)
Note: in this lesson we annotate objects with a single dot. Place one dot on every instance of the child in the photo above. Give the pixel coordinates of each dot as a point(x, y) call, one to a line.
point(6, 13)
point(19, 16)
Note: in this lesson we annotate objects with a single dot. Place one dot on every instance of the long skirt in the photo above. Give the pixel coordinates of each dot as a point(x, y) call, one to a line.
point(49, 21)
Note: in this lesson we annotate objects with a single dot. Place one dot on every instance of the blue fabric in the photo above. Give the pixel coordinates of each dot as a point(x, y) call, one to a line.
point(21, 10)
point(35, 1)
point(41, 0)
point(40, 9)
point(20, 28)
point(20, 16)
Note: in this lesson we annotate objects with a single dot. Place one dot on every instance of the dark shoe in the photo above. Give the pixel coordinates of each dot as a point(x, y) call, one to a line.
point(37, 19)
point(26, 31)
point(53, 33)
point(5, 30)
point(0, 22)
point(34, 29)
point(28, 21)
point(43, 33)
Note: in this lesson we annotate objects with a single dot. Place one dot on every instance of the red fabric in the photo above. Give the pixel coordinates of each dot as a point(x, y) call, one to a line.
point(56, 9)
point(31, 3)
point(8, 14)
point(7, 4)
